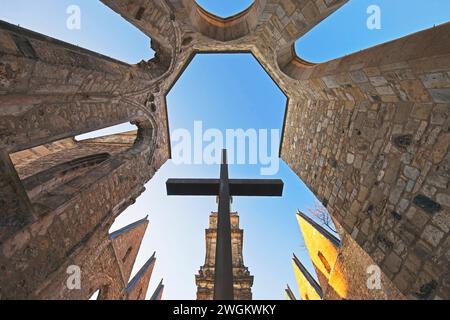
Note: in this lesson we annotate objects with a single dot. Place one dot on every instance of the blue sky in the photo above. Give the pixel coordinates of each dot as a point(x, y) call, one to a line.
point(224, 8)
point(102, 30)
point(225, 92)
point(346, 32)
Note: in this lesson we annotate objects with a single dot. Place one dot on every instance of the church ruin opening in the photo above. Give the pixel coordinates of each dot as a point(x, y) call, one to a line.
point(363, 24)
point(195, 113)
point(225, 9)
point(187, 104)
point(122, 128)
point(95, 295)
point(54, 172)
point(86, 24)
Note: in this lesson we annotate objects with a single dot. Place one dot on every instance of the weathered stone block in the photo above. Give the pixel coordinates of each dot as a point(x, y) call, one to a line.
point(435, 80)
point(440, 148)
point(444, 199)
point(358, 76)
point(426, 204)
point(440, 95)
point(432, 235)
point(421, 110)
point(440, 114)
point(411, 172)
point(393, 262)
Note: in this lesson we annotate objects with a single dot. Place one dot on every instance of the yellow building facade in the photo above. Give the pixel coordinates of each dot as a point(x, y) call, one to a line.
point(343, 268)
point(307, 286)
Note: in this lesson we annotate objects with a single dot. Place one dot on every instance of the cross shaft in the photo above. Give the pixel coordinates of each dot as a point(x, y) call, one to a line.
point(224, 188)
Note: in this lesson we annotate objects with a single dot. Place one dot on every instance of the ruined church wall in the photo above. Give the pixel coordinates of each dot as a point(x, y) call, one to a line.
point(126, 248)
point(371, 140)
point(99, 271)
point(355, 266)
point(101, 264)
point(51, 90)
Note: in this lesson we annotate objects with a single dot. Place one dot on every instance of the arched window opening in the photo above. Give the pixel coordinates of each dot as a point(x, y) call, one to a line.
point(324, 262)
point(95, 295)
point(87, 24)
point(123, 128)
point(127, 254)
point(139, 294)
point(362, 24)
point(52, 173)
point(225, 9)
point(49, 179)
point(104, 293)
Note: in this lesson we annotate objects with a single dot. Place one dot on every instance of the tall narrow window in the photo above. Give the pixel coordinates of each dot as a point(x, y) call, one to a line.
point(324, 262)
point(139, 294)
point(50, 172)
point(95, 295)
point(127, 254)
point(109, 131)
point(104, 293)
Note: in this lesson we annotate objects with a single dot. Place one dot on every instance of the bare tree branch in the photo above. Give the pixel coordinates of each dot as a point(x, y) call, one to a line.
point(320, 212)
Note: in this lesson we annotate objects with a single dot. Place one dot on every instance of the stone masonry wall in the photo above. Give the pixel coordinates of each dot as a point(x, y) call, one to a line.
point(355, 263)
point(35, 241)
point(373, 137)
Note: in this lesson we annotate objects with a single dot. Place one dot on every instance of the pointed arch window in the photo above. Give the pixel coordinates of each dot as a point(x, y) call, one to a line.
point(324, 261)
point(127, 254)
point(139, 294)
point(95, 295)
point(52, 173)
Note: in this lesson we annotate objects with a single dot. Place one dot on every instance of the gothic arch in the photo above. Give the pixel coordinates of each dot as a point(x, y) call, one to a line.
point(292, 65)
point(63, 172)
point(236, 9)
point(104, 284)
point(127, 254)
point(110, 179)
point(225, 29)
point(93, 116)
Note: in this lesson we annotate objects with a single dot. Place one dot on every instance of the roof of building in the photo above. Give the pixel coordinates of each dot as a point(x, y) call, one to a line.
point(308, 276)
point(131, 226)
point(157, 291)
point(141, 272)
point(327, 234)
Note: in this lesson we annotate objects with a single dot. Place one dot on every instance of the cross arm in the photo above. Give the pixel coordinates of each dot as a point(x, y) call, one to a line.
point(256, 187)
point(193, 187)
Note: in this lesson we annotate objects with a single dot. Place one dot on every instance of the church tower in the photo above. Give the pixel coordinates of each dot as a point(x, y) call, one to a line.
point(243, 281)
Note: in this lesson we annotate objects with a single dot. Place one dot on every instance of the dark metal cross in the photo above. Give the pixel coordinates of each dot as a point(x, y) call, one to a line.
point(224, 188)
